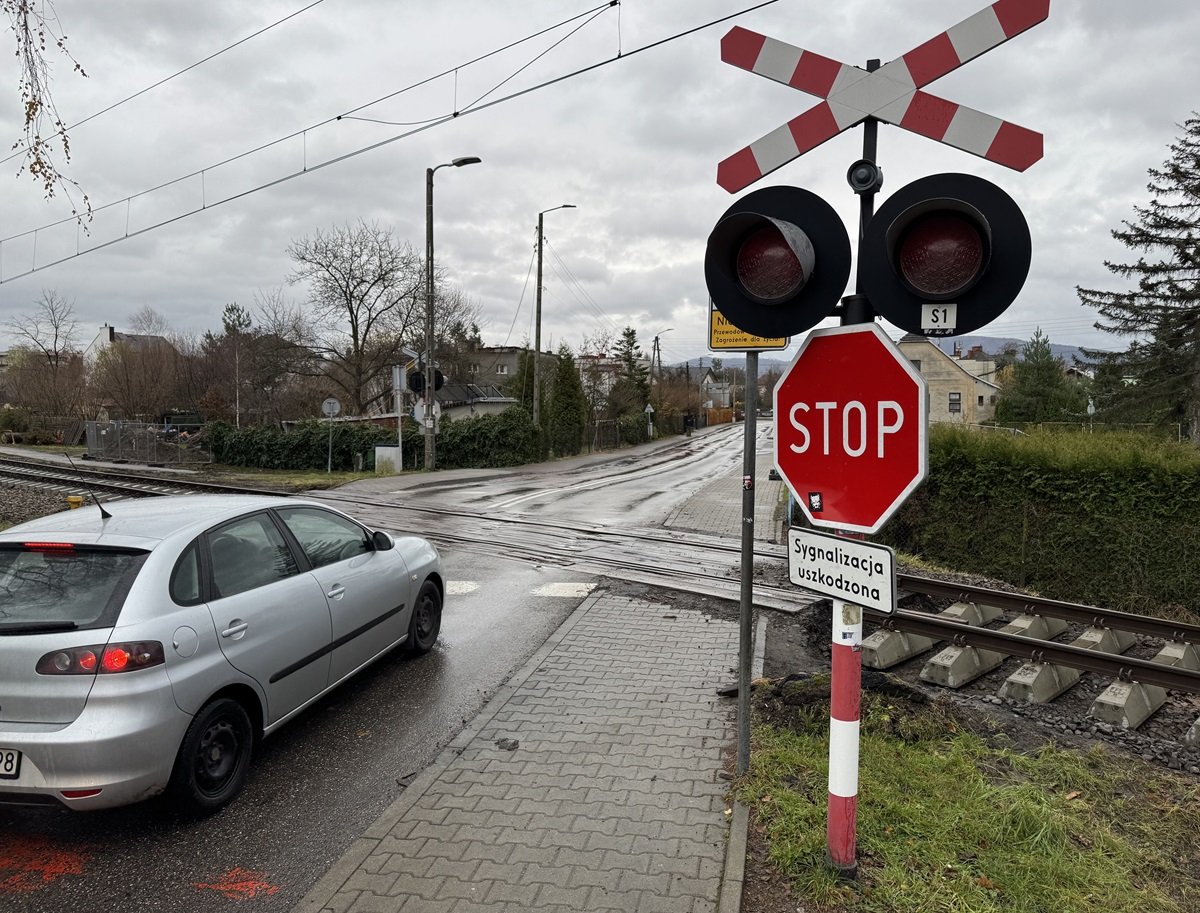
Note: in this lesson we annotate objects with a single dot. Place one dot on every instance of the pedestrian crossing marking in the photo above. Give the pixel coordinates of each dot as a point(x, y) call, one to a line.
point(567, 589)
point(573, 590)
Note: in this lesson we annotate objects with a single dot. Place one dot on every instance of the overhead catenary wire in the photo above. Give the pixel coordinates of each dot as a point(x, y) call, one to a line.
point(421, 126)
point(79, 123)
point(338, 159)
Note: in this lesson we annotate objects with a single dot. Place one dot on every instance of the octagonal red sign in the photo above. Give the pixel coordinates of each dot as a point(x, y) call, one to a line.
point(851, 427)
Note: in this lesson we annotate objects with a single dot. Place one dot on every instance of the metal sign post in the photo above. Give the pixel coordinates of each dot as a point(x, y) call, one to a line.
point(330, 407)
point(846, 446)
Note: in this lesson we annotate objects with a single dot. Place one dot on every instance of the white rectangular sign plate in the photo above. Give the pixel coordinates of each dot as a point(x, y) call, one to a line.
point(851, 570)
point(939, 319)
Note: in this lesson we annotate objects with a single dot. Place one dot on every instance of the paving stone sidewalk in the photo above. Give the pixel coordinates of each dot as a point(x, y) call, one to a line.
point(590, 782)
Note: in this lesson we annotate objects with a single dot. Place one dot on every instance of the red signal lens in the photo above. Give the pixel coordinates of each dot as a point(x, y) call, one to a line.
point(941, 254)
point(767, 267)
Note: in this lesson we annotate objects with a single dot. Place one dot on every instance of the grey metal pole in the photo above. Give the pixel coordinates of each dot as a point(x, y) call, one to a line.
point(398, 397)
point(537, 332)
point(429, 437)
point(746, 609)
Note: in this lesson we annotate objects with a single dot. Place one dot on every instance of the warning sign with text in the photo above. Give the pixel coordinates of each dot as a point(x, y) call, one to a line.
point(851, 570)
point(724, 336)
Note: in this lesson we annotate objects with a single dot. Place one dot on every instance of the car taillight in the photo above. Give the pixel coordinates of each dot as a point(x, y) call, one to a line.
point(102, 658)
point(53, 547)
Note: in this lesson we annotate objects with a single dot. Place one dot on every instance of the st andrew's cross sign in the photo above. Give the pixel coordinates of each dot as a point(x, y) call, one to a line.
point(891, 94)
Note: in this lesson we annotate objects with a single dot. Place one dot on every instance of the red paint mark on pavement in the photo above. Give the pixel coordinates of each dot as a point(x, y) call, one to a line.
point(240, 884)
point(28, 864)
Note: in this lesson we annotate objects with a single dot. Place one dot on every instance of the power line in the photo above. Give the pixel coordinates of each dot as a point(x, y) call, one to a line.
point(167, 79)
point(308, 169)
point(423, 125)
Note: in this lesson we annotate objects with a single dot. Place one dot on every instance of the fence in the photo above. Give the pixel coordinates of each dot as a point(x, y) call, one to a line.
point(154, 445)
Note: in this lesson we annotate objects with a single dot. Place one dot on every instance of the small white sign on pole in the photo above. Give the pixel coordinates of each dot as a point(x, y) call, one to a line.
point(851, 570)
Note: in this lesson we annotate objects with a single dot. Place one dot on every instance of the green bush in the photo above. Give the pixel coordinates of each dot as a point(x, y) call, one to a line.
point(1111, 519)
point(306, 446)
point(484, 441)
point(632, 429)
point(13, 419)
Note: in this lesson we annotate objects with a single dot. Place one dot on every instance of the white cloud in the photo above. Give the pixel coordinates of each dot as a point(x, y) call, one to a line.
point(633, 144)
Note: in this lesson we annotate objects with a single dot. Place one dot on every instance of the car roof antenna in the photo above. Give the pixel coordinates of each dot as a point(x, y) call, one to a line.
point(104, 514)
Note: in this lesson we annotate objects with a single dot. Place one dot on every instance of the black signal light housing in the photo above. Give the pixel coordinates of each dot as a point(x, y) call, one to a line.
point(945, 255)
point(777, 262)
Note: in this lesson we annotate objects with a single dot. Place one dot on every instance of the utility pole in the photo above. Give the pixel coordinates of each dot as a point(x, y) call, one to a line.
point(430, 426)
point(537, 329)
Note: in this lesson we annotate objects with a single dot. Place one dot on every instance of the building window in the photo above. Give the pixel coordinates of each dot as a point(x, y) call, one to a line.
point(956, 402)
point(501, 369)
point(981, 399)
point(473, 369)
point(916, 363)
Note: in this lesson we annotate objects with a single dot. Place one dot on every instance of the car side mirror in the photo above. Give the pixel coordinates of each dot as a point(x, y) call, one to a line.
point(381, 541)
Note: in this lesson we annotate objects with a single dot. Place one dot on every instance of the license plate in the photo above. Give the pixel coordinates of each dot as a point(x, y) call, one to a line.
point(10, 764)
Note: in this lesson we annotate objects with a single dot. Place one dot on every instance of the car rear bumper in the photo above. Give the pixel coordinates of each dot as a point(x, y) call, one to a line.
point(123, 748)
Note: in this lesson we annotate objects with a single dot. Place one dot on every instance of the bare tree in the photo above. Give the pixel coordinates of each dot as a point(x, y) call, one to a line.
point(364, 289)
point(46, 371)
point(35, 25)
point(148, 322)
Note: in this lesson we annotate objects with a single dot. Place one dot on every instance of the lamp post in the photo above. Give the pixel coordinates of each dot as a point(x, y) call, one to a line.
point(537, 327)
point(429, 369)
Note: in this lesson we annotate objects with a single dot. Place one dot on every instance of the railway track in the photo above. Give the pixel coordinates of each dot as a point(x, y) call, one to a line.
point(108, 484)
point(970, 646)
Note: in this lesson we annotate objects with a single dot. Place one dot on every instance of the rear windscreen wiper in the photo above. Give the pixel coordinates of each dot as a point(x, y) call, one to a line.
point(36, 627)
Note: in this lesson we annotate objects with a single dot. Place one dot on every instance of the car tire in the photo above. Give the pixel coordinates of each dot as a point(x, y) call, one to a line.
point(426, 620)
point(213, 759)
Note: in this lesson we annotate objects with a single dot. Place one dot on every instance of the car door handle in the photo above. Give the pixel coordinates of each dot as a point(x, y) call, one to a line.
point(236, 629)
point(337, 591)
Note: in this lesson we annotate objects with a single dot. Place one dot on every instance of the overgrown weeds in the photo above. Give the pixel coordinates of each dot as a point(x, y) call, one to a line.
point(954, 816)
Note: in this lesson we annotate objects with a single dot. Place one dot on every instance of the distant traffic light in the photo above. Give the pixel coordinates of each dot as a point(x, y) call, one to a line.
point(777, 261)
point(945, 255)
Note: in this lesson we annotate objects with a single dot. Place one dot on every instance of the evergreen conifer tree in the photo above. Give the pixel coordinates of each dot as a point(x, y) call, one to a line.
point(568, 406)
point(1160, 315)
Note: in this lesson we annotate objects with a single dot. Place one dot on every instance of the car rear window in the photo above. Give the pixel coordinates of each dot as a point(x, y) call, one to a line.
point(46, 583)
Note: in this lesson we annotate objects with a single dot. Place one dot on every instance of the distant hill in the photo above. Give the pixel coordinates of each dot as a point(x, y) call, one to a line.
point(994, 345)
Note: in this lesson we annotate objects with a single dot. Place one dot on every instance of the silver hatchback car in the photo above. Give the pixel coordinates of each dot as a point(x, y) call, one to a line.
point(146, 648)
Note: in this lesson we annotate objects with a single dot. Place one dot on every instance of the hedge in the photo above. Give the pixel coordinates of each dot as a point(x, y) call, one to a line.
point(305, 446)
point(1108, 519)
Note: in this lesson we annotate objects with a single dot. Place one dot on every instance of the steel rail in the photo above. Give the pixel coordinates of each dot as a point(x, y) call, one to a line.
point(118, 481)
point(1165, 629)
point(1124, 668)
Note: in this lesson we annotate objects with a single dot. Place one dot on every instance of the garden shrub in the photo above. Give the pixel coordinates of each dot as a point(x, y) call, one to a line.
point(1110, 519)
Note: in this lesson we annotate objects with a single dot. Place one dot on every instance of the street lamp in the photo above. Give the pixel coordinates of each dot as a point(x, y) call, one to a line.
point(429, 369)
point(656, 359)
point(537, 330)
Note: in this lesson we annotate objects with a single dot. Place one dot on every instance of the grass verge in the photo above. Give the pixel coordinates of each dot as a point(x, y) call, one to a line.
point(954, 816)
point(284, 479)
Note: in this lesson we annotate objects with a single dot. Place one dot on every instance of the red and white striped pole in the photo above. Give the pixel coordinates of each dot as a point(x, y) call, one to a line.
point(845, 691)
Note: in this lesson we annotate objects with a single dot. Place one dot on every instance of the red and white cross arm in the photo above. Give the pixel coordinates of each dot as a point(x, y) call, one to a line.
point(890, 94)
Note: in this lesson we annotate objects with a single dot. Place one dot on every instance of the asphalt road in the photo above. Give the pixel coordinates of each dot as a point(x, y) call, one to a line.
point(314, 786)
point(322, 780)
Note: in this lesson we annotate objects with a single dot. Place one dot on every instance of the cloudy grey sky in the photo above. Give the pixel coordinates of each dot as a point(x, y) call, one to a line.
point(634, 144)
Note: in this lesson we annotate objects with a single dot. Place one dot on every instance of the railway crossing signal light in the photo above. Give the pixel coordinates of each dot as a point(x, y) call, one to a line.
point(945, 255)
point(416, 381)
point(777, 261)
point(438, 379)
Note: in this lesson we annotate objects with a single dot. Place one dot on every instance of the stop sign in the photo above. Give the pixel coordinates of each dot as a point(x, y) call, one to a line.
point(851, 420)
